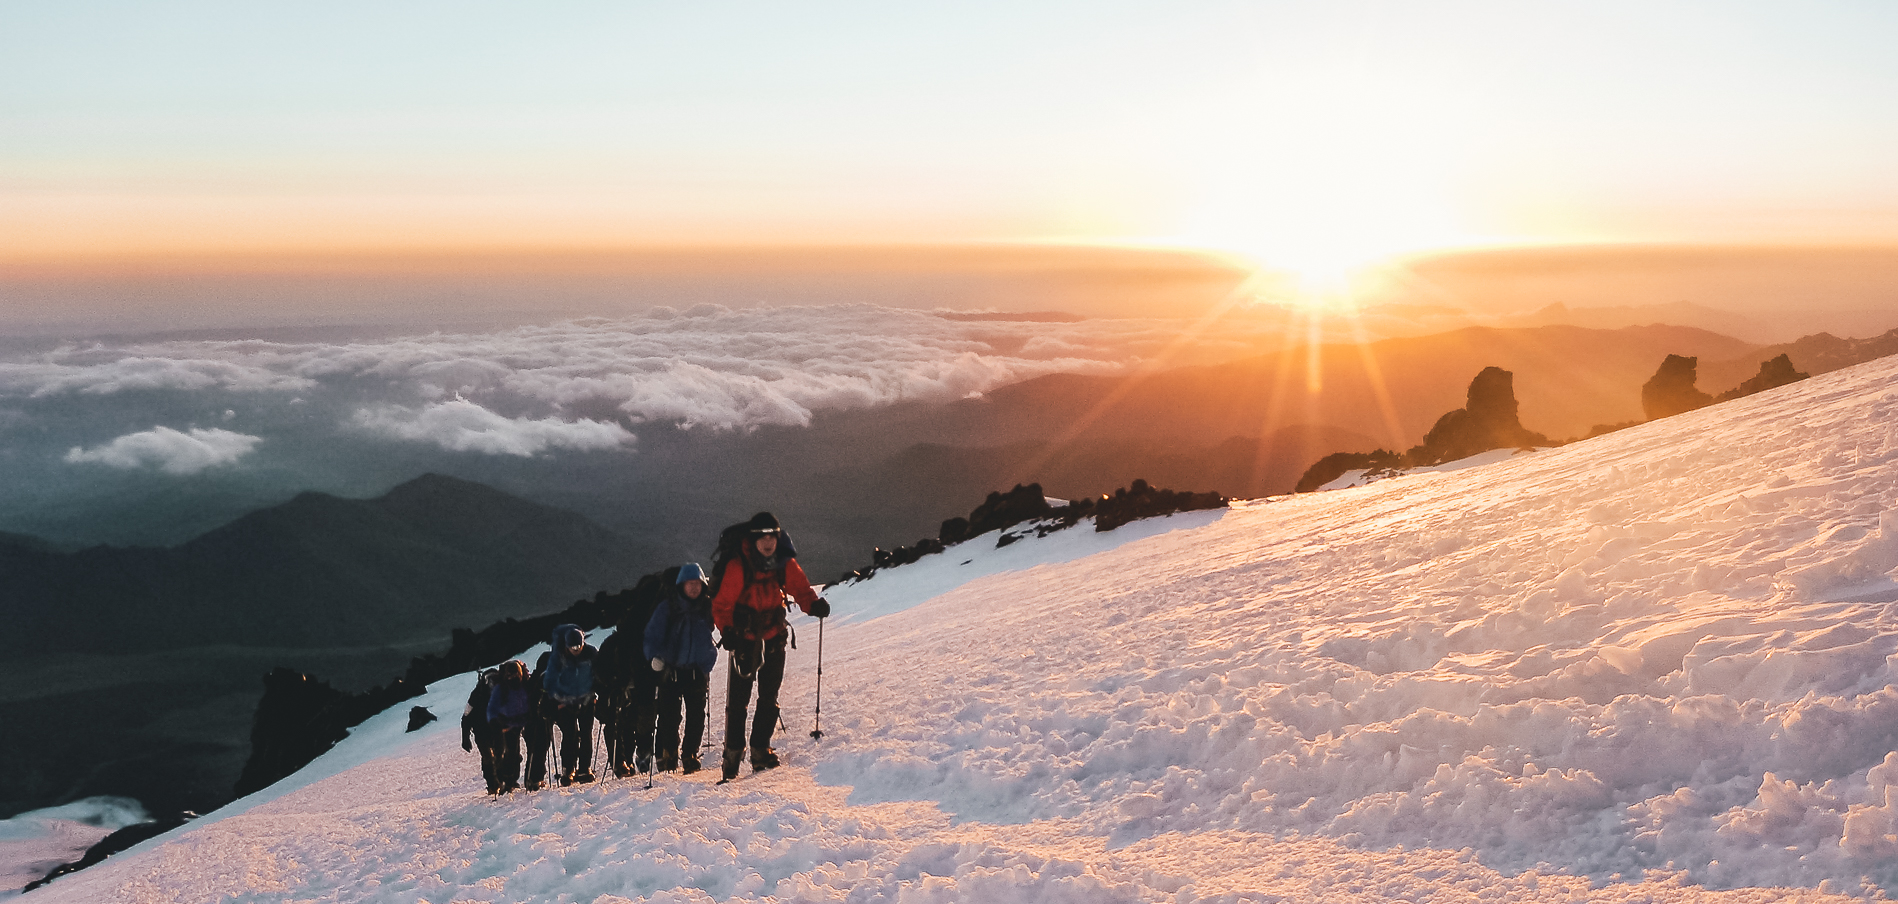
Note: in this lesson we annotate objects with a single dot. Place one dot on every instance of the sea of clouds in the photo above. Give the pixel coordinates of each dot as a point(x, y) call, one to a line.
point(583, 384)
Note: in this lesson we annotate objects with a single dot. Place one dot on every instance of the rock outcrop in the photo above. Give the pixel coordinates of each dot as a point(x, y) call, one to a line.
point(1487, 421)
point(1671, 390)
point(1773, 372)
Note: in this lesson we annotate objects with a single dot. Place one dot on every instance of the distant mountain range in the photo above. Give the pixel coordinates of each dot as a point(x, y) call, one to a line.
point(321, 571)
point(136, 671)
point(1250, 427)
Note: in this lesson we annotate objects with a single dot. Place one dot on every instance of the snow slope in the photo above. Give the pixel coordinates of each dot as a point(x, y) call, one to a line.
point(35, 842)
point(1653, 666)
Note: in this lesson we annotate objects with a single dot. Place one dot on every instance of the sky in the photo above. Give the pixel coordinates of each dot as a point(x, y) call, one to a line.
point(1306, 135)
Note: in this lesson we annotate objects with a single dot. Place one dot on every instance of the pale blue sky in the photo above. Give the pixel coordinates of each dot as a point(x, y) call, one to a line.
point(1301, 129)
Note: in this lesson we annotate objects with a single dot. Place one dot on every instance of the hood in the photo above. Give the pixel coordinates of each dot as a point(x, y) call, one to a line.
point(562, 637)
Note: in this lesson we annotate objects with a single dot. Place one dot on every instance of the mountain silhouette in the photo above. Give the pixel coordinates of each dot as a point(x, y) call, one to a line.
point(321, 570)
point(140, 667)
point(1249, 427)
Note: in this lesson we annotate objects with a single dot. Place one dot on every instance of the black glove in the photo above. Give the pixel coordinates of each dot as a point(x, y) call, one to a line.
point(748, 657)
point(821, 608)
point(728, 640)
point(465, 743)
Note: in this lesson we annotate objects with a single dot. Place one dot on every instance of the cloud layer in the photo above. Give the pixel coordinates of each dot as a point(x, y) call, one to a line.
point(587, 384)
point(169, 450)
point(463, 426)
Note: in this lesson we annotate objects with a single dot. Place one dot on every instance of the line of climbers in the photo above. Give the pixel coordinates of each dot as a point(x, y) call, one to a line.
point(652, 673)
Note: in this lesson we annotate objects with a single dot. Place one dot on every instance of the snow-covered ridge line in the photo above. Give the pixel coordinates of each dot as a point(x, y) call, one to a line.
point(1655, 665)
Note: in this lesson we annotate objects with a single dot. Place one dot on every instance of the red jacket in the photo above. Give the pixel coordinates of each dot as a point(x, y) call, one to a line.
point(763, 593)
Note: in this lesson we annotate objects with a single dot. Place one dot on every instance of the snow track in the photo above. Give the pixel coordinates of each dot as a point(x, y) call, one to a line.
point(1653, 666)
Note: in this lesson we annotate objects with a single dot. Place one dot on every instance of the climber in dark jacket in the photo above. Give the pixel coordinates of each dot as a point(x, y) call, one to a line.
point(626, 684)
point(475, 733)
point(566, 683)
point(679, 643)
point(510, 709)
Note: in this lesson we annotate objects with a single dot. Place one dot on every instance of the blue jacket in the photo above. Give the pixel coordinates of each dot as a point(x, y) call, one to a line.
point(680, 633)
point(566, 679)
point(510, 707)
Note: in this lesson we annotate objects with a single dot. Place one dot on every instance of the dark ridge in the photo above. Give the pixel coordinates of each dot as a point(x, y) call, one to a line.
point(1026, 503)
point(321, 571)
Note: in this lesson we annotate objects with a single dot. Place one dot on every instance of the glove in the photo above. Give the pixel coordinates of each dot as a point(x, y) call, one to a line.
point(747, 657)
point(466, 744)
point(821, 608)
point(658, 665)
point(728, 640)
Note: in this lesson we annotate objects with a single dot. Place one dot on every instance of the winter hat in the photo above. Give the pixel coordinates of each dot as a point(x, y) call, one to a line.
point(691, 572)
point(762, 523)
point(569, 636)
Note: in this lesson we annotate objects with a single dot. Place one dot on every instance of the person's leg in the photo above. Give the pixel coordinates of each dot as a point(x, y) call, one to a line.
point(737, 696)
point(539, 736)
point(486, 744)
point(693, 690)
point(645, 714)
point(770, 679)
point(606, 710)
point(666, 754)
point(583, 718)
point(510, 752)
point(568, 721)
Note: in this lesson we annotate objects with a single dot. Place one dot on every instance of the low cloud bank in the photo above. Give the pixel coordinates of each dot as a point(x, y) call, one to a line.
point(586, 384)
point(169, 450)
point(104, 371)
point(463, 426)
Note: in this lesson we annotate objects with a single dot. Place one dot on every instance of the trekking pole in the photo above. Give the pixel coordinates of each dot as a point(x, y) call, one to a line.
point(817, 719)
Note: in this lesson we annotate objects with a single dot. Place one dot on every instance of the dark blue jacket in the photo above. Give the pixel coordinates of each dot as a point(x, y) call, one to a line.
point(566, 680)
point(510, 706)
point(680, 633)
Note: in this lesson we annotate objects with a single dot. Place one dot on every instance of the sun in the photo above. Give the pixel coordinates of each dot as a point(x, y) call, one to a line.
point(1321, 247)
point(1307, 269)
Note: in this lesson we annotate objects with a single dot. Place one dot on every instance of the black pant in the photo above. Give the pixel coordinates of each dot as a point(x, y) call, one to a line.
point(575, 723)
point(738, 692)
point(507, 756)
point(606, 710)
point(488, 742)
point(682, 688)
point(636, 715)
point(539, 735)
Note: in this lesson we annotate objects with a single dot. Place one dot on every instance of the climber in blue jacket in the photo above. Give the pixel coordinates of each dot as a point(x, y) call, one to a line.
point(679, 643)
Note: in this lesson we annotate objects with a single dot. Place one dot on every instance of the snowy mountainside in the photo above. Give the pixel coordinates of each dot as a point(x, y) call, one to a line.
point(1653, 666)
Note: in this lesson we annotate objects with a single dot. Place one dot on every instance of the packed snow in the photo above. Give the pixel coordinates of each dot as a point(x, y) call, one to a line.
point(1657, 665)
